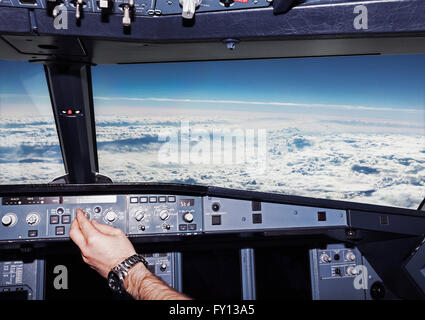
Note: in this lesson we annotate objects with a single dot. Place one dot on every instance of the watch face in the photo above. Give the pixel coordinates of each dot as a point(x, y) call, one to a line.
point(114, 281)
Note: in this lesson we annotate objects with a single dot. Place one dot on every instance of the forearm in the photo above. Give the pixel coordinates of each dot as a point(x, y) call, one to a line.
point(143, 285)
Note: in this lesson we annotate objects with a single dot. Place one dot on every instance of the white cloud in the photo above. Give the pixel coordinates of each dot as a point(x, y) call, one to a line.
point(300, 160)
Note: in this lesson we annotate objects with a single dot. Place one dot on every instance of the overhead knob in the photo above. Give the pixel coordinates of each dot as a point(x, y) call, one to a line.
point(126, 7)
point(111, 216)
point(139, 215)
point(103, 4)
point(188, 217)
point(164, 214)
point(9, 220)
point(189, 7)
point(78, 7)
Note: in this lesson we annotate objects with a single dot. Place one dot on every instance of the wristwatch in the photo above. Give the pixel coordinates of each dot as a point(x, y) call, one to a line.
point(117, 274)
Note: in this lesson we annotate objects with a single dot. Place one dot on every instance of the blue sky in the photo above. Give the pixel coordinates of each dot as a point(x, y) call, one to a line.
point(373, 81)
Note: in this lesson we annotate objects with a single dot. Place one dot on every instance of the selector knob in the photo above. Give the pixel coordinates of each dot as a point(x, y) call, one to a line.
point(32, 219)
point(9, 220)
point(111, 216)
point(139, 215)
point(350, 256)
point(164, 214)
point(352, 271)
point(188, 217)
point(325, 258)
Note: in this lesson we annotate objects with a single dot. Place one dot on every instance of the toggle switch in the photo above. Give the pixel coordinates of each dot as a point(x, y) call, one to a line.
point(103, 4)
point(126, 7)
point(189, 7)
point(78, 7)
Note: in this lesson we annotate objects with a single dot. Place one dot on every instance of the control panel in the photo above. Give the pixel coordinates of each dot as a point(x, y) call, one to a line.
point(128, 9)
point(21, 280)
point(149, 214)
point(145, 215)
point(221, 214)
point(51, 217)
point(338, 272)
point(166, 266)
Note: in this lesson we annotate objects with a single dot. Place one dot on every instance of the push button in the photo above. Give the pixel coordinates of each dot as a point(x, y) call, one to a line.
point(153, 199)
point(66, 219)
point(134, 200)
point(54, 219)
point(182, 227)
point(162, 199)
point(171, 199)
point(60, 231)
point(192, 226)
point(215, 220)
point(257, 218)
point(143, 199)
point(32, 233)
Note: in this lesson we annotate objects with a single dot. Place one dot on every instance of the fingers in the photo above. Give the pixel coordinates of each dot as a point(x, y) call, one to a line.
point(104, 228)
point(76, 235)
point(87, 229)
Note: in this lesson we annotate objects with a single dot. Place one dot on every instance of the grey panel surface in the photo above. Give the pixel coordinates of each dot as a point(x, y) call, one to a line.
point(387, 222)
point(331, 279)
point(20, 276)
point(165, 266)
point(236, 215)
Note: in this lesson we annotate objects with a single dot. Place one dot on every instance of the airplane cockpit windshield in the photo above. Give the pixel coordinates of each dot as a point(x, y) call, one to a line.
point(343, 128)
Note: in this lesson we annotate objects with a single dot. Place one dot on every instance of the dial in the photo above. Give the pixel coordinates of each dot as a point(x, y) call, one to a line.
point(188, 217)
point(139, 215)
point(164, 214)
point(111, 216)
point(33, 218)
point(9, 220)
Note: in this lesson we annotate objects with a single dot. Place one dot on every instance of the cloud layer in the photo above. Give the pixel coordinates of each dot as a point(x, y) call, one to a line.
point(354, 161)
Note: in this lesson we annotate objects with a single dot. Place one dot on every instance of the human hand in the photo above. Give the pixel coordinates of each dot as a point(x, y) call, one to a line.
point(102, 246)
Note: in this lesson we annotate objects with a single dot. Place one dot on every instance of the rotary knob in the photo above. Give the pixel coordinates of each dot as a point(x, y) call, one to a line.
point(188, 217)
point(164, 214)
point(8, 220)
point(32, 219)
point(352, 271)
point(111, 216)
point(325, 258)
point(350, 256)
point(139, 215)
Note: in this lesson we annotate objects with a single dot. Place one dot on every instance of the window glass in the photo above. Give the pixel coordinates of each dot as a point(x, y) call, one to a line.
point(29, 145)
point(346, 128)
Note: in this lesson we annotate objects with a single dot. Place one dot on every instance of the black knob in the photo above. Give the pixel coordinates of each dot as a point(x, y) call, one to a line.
point(215, 207)
point(227, 3)
point(377, 291)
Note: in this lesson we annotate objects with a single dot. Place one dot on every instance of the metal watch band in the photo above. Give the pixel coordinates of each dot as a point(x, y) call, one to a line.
point(128, 263)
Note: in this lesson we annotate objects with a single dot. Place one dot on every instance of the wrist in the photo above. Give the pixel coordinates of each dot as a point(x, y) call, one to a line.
point(134, 278)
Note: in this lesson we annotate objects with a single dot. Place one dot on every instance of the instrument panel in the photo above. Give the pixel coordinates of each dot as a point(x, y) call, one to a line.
point(51, 217)
point(144, 215)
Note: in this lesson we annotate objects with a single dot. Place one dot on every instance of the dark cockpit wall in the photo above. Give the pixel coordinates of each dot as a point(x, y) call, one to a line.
point(307, 31)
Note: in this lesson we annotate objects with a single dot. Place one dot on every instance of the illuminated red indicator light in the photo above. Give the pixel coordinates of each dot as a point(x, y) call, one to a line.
point(69, 112)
